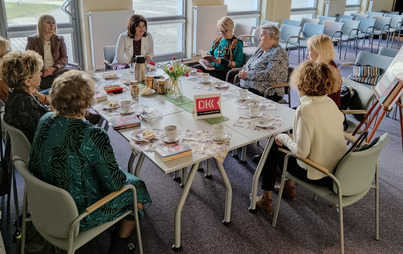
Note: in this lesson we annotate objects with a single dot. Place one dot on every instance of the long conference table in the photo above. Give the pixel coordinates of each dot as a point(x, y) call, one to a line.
point(172, 114)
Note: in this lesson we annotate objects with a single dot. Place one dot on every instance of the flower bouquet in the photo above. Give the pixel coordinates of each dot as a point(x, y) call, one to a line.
point(174, 70)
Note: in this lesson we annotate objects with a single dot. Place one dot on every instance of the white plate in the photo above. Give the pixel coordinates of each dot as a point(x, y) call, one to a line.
point(262, 122)
point(226, 136)
point(166, 140)
point(138, 136)
point(131, 112)
point(153, 92)
point(253, 116)
point(206, 82)
point(107, 107)
point(221, 86)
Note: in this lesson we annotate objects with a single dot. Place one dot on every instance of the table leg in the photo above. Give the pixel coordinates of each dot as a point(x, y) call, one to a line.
point(139, 164)
point(228, 199)
point(184, 176)
point(208, 169)
point(178, 212)
point(258, 171)
point(243, 155)
point(130, 163)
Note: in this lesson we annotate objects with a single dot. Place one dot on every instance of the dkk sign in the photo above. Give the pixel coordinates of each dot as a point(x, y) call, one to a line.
point(207, 106)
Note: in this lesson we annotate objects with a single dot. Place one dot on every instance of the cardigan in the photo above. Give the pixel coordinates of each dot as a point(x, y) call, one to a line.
point(318, 134)
point(124, 48)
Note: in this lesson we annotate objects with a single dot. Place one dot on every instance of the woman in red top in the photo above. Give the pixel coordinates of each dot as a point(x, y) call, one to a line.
point(321, 50)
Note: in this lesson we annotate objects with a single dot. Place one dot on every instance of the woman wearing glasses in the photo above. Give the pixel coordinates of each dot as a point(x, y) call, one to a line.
point(227, 50)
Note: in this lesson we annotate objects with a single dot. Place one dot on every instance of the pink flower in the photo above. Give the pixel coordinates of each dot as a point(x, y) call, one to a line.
point(174, 58)
point(171, 68)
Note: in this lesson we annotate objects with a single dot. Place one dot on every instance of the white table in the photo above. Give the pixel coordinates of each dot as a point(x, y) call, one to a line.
point(172, 114)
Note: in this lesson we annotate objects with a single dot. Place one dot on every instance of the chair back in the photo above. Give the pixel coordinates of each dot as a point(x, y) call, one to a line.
point(356, 171)
point(332, 27)
point(109, 55)
point(287, 31)
point(356, 15)
point(269, 22)
point(396, 21)
point(382, 23)
point(375, 60)
point(309, 30)
point(52, 209)
point(361, 99)
point(20, 145)
point(372, 14)
point(349, 25)
point(323, 18)
point(291, 22)
point(308, 20)
point(242, 29)
point(366, 25)
point(386, 51)
point(340, 17)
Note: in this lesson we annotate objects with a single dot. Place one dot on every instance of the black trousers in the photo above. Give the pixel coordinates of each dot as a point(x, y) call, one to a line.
point(274, 166)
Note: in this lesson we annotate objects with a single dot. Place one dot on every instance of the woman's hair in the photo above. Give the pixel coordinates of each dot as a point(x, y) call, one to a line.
point(323, 46)
point(4, 46)
point(226, 23)
point(135, 21)
point(315, 79)
point(41, 23)
point(271, 29)
point(72, 93)
point(19, 66)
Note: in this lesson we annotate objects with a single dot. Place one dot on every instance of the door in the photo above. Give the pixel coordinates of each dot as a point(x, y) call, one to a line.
point(19, 19)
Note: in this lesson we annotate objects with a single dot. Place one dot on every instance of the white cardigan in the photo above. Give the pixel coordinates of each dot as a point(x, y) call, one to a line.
point(318, 134)
point(124, 48)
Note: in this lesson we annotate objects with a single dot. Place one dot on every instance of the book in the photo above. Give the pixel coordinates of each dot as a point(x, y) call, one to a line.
point(206, 56)
point(172, 151)
point(125, 122)
point(206, 64)
point(388, 93)
point(100, 96)
point(113, 89)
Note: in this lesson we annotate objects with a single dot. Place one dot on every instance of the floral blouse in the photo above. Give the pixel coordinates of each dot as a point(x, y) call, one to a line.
point(266, 69)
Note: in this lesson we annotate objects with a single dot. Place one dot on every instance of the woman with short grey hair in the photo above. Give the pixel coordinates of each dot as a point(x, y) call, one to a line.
point(267, 66)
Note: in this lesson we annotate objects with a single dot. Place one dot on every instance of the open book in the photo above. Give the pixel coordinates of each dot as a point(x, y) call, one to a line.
point(206, 55)
point(388, 92)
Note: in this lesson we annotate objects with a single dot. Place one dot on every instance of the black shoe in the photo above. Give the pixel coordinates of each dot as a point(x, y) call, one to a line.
point(256, 158)
point(119, 246)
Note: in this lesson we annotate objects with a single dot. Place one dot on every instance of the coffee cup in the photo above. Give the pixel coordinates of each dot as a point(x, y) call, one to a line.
point(243, 93)
point(253, 109)
point(125, 106)
point(171, 132)
point(205, 77)
point(218, 131)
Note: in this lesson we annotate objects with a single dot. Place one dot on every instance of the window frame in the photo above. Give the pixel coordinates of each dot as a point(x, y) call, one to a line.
point(306, 10)
point(251, 14)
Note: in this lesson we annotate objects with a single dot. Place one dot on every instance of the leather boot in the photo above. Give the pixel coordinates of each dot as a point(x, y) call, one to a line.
point(265, 204)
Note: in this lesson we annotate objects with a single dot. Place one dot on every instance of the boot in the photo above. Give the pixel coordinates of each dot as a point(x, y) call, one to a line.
point(119, 245)
point(289, 191)
point(265, 204)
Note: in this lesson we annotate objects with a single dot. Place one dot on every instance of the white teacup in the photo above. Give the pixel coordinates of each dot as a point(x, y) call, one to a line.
point(243, 93)
point(125, 106)
point(253, 109)
point(218, 131)
point(205, 77)
point(171, 132)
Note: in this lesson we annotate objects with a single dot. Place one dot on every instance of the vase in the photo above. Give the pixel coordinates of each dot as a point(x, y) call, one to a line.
point(174, 90)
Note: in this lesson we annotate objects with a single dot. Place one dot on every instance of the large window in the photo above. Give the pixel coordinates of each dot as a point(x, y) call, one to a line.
point(166, 23)
point(352, 6)
point(244, 11)
point(302, 8)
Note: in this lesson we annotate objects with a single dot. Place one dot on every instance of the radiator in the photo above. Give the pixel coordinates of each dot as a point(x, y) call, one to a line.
point(205, 26)
point(105, 27)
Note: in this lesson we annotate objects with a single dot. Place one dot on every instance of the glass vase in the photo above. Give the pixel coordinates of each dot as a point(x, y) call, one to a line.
point(174, 90)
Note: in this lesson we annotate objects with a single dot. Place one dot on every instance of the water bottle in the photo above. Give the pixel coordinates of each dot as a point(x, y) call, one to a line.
point(140, 69)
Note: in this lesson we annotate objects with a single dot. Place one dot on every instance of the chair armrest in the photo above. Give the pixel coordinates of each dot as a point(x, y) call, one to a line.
point(312, 164)
point(354, 111)
point(233, 70)
point(106, 199)
point(107, 62)
point(345, 64)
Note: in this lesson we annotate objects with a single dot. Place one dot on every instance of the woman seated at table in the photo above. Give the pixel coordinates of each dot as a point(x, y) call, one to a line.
point(4, 48)
point(321, 50)
point(267, 66)
point(91, 170)
point(51, 47)
point(22, 73)
point(135, 41)
point(317, 133)
point(227, 50)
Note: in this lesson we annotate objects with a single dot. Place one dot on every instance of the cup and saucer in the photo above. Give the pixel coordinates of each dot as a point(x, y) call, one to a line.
point(254, 115)
point(223, 137)
point(218, 133)
point(171, 135)
point(169, 140)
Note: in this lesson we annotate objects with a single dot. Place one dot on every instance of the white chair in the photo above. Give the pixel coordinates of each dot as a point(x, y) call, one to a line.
point(56, 217)
point(355, 175)
point(243, 32)
point(109, 54)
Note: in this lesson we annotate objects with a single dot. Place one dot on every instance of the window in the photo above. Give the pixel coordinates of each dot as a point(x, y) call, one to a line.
point(244, 11)
point(302, 8)
point(352, 6)
point(166, 23)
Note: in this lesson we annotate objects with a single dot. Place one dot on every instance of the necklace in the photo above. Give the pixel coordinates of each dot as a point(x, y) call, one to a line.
point(137, 44)
point(219, 50)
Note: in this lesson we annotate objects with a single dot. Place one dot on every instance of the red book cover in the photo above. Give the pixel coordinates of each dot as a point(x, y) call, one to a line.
point(126, 122)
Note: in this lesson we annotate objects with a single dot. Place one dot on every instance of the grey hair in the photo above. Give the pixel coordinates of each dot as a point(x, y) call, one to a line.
point(271, 29)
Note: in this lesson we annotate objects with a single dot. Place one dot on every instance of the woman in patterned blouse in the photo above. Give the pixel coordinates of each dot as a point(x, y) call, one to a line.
point(77, 156)
point(22, 73)
point(267, 66)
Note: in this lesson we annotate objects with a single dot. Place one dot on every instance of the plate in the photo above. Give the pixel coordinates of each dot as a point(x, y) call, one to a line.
point(206, 82)
point(166, 140)
point(262, 122)
point(152, 92)
point(107, 107)
point(138, 136)
point(131, 112)
point(226, 136)
point(221, 86)
point(253, 116)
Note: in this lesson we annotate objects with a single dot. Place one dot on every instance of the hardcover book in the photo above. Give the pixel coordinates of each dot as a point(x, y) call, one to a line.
point(388, 93)
point(125, 122)
point(173, 151)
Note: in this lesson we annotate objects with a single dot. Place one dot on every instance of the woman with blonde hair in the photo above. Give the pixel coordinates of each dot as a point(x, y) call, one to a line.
point(72, 154)
point(317, 133)
point(320, 49)
point(51, 47)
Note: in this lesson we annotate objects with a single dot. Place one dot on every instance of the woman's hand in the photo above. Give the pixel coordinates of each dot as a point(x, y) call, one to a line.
point(242, 74)
point(278, 142)
point(217, 60)
point(49, 71)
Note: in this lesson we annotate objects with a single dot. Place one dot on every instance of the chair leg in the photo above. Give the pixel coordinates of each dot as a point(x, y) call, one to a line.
point(280, 193)
point(376, 205)
point(341, 222)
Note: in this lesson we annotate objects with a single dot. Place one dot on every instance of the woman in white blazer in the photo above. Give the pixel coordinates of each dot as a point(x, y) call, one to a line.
point(135, 41)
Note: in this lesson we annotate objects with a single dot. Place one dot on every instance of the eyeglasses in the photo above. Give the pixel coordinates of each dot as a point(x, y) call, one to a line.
point(222, 31)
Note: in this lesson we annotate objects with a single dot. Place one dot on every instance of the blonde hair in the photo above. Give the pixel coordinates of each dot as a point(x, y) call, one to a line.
point(4, 46)
point(41, 23)
point(315, 79)
point(19, 66)
point(226, 23)
point(323, 46)
point(72, 93)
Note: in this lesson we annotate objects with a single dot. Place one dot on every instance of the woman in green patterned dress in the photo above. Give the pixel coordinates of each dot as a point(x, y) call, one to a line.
point(77, 156)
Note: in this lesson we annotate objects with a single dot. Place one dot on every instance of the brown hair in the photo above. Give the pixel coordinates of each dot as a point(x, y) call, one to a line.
point(4, 46)
point(134, 22)
point(72, 93)
point(41, 23)
point(19, 66)
point(315, 79)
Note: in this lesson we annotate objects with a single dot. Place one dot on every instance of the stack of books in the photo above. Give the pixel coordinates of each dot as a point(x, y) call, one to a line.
point(126, 122)
point(173, 151)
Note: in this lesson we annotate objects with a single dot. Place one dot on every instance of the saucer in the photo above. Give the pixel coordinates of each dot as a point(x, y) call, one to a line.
point(253, 116)
point(242, 99)
point(131, 112)
point(261, 122)
point(225, 137)
point(221, 86)
point(205, 83)
point(166, 140)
